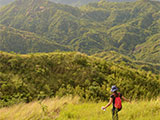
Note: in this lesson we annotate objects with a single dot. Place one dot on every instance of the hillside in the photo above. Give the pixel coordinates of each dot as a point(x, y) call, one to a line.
point(125, 27)
point(37, 76)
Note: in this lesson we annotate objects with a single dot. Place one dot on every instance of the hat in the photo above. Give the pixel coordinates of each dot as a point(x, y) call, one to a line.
point(114, 88)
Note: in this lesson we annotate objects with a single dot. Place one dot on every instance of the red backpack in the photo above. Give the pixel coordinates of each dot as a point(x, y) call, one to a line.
point(118, 102)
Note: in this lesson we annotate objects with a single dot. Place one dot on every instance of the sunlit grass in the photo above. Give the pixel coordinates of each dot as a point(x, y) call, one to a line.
point(140, 110)
point(72, 109)
point(42, 110)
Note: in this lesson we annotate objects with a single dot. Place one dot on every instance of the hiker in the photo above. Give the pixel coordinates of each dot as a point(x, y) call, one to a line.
point(116, 100)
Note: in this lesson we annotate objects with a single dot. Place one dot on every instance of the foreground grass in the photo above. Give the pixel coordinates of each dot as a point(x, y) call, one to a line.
point(72, 109)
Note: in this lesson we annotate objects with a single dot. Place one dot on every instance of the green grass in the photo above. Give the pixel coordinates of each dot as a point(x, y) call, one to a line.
point(72, 109)
point(140, 110)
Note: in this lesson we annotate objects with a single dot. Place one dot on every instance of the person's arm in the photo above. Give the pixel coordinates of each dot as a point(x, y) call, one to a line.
point(125, 99)
point(109, 103)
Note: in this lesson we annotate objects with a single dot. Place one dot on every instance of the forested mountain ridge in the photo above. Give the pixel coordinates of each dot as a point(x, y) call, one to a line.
point(125, 27)
point(37, 76)
point(135, 27)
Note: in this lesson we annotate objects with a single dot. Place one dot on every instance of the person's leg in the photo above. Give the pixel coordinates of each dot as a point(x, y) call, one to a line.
point(115, 114)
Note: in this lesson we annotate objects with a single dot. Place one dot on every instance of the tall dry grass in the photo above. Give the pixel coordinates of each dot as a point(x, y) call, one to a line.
point(42, 110)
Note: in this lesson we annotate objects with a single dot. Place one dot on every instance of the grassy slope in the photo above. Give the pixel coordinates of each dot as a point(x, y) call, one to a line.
point(71, 109)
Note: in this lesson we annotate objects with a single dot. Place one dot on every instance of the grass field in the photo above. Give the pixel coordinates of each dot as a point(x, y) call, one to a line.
point(72, 109)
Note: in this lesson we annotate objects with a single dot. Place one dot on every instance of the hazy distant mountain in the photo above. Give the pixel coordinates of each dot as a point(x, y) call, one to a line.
point(5, 2)
point(83, 2)
point(71, 2)
point(75, 2)
point(127, 28)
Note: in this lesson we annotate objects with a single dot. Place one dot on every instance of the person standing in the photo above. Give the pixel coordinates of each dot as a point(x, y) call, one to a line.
point(115, 98)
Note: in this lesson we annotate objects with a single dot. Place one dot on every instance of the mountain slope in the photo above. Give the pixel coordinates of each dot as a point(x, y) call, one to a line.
point(96, 27)
point(150, 50)
point(25, 42)
point(57, 22)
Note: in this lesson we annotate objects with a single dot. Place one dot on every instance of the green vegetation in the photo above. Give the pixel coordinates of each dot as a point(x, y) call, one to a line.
point(130, 28)
point(37, 76)
point(72, 109)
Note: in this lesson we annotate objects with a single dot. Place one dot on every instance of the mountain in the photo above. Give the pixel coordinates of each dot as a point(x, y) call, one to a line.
point(59, 23)
point(125, 27)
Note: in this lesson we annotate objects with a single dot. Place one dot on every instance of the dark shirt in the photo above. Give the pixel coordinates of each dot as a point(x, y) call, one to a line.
point(113, 97)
